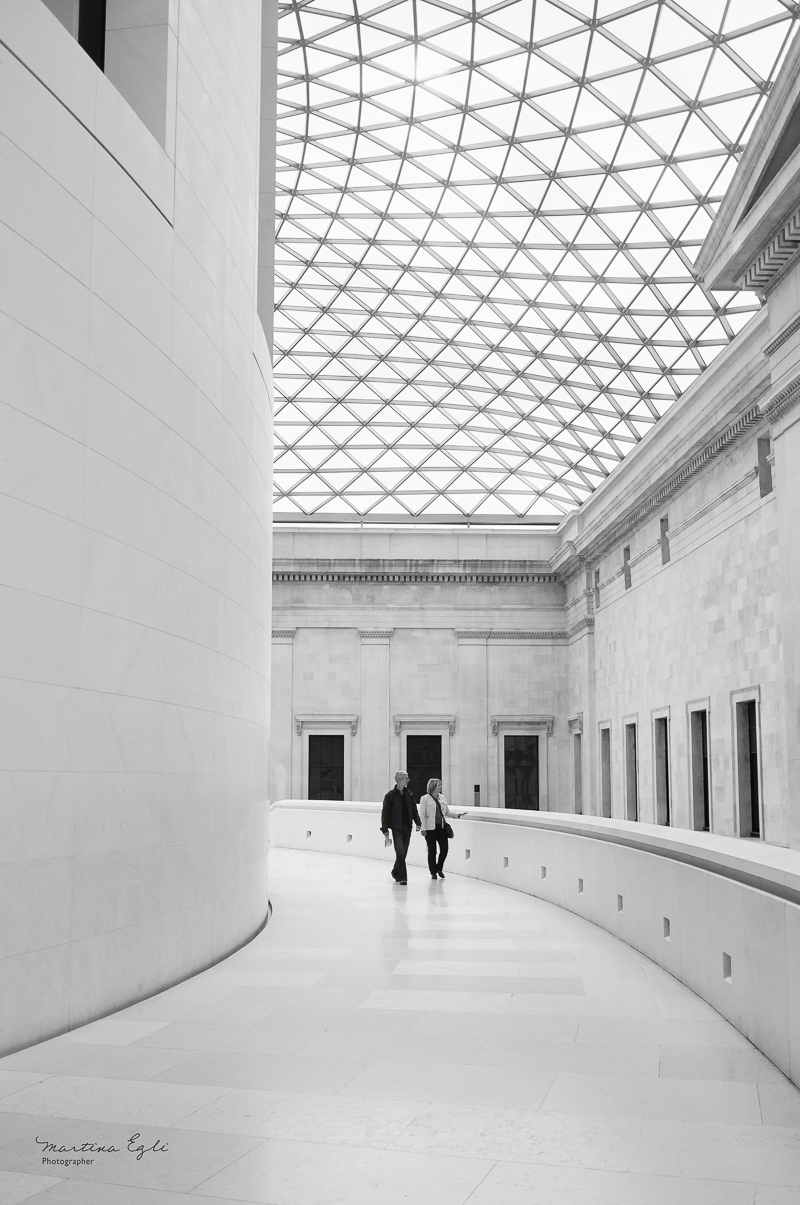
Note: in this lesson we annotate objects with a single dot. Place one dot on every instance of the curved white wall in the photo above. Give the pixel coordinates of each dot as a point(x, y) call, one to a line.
point(134, 506)
point(720, 896)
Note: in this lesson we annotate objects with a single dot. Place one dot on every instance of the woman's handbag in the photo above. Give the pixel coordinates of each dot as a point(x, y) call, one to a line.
point(448, 830)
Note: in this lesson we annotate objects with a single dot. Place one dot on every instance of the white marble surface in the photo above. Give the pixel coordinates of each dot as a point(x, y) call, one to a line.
point(317, 1091)
point(134, 573)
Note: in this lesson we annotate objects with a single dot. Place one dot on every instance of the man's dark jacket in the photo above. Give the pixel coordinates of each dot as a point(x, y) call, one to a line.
point(399, 810)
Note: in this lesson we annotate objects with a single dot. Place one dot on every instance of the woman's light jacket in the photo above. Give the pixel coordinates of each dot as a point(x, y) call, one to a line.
point(427, 811)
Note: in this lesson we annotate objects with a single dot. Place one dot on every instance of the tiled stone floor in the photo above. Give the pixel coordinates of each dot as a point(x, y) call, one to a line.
point(440, 1043)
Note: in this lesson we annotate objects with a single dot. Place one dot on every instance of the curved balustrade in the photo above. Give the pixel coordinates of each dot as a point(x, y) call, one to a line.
point(719, 913)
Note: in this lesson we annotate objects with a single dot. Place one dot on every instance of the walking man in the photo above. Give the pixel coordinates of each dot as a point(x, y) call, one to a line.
point(398, 814)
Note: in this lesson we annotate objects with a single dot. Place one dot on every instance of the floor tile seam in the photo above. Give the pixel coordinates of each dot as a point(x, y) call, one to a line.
point(219, 1170)
point(537, 1162)
point(677, 1177)
point(481, 1182)
point(182, 1056)
point(44, 1076)
point(674, 1079)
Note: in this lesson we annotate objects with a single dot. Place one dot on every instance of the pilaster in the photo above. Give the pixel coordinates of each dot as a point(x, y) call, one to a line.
point(785, 435)
point(473, 740)
point(280, 773)
point(374, 764)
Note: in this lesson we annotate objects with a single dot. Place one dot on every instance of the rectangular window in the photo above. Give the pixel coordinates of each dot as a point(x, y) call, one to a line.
point(746, 719)
point(92, 29)
point(577, 771)
point(521, 767)
point(661, 768)
point(626, 566)
point(67, 13)
point(764, 466)
point(699, 771)
point(326, 766)
point(663, 538)
point(423, 762)
point(631, 774)
point(133, 45)
point(605, 771)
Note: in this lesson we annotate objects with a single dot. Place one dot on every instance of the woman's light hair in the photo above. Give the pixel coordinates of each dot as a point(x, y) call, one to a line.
point(434, 782)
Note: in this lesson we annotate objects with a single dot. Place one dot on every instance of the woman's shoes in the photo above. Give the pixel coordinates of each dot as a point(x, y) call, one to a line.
point(441, 874)
point(433, 876)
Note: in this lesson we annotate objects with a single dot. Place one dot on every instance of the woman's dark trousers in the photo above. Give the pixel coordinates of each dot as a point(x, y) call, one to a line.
point(401, 838)
point(435, 837)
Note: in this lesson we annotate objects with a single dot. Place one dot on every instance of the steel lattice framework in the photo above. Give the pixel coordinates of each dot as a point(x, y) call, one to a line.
point(488, 217)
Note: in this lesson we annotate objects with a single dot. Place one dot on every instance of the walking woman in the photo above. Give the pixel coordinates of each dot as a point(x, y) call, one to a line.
point(432, 811)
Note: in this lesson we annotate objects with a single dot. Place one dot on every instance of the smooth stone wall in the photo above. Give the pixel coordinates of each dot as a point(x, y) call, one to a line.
point(135, 510)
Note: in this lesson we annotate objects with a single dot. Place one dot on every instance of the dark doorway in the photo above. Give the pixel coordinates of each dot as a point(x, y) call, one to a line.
point(423, 761)
point(631, 774)
point(747, 768)
point(577, 770)
point(326, 767)
point(661, 751)
point(701, 793)
point(605, 771)
point(521, 759)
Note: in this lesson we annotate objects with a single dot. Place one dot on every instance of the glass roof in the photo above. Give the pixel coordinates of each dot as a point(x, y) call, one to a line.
point(488, 217)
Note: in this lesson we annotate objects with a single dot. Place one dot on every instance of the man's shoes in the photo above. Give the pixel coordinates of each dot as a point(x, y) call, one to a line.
point(402, 882)
point(440, 873)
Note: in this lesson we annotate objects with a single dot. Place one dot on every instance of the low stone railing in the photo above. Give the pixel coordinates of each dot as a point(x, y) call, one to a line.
point(721, 914)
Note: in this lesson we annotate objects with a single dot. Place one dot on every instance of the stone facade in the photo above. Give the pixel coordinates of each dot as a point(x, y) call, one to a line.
point(651, 641)
point(415, 644)
point(665, 596)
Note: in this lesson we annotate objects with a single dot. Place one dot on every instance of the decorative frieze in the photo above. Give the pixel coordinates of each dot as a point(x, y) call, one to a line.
point(526, 635)
point(783, 400)
point(377, 634)
point(775, 257)
point(502, 573)
point(283, 633)
point(782, 336)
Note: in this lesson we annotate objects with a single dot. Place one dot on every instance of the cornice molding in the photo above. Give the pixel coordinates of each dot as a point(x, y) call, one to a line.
point(575, 723)
point(543, 635)
point(483, 635)
point(782, 336)
point(490, 573)
point(283, 633)
point(425, 721)
point(522, 721)
point(783, 400)
point(377, 634)
point(325, 721)
point(772, 261)
point(599, 546)
point(584, 624)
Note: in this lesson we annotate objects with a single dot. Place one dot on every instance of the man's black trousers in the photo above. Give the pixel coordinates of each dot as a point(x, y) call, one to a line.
point(401, 838)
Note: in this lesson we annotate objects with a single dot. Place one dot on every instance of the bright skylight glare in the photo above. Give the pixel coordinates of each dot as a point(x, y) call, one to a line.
point(488, 217)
